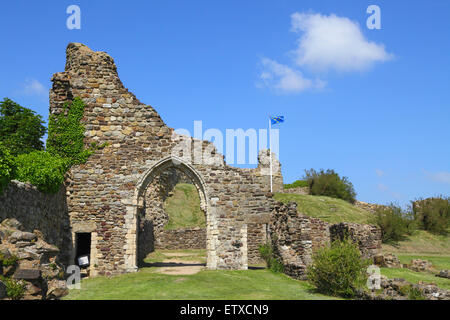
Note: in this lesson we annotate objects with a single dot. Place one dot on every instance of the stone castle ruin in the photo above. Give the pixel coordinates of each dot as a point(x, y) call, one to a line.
point(110, 207)
point(109, 198)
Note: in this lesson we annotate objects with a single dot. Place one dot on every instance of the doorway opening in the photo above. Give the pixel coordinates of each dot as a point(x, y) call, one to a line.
point(82, 249)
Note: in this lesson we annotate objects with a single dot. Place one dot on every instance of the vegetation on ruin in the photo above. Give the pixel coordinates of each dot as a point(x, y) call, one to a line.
point(328, 209)
point(7, 167)
point(183, 208)
point(268, 255)
point(66, 134)
point(338, 270)
point(15, 289)
point(415, 277)
point(41, 169)
point(329, 183)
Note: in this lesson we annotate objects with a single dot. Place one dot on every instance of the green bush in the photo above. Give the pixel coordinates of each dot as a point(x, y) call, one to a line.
point(296, 184)
point(14, 289)
point(394, 223)
point(7, 167)
point(21, 129)
point(266, 252)
point(7, 262)
point(338, 270)
point(42, 170)
point(433, 214)
point(328, 183)
point(66, 134)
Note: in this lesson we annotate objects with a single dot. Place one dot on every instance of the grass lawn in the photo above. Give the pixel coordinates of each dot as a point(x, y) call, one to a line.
point(328, 209)
point(415, 277)
point(183, 208)
point(421, 243)
point(205, 285)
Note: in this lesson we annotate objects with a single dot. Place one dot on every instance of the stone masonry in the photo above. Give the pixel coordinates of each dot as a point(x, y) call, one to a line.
point(295, 237)
point(106, 195)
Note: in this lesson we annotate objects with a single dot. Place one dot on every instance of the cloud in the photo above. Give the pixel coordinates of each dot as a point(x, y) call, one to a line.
point(284, 79)
point(332, 42)
point(33, 87)
point(379, 172)
point(443, 176)
point(382, 187)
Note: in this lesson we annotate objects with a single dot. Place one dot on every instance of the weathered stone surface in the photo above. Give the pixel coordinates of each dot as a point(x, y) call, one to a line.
point(22, 236)
point(444, 274)
point(56, 289)
point(110, 189)
point(387, 261)
point(27, 274)
point(420, 265)
point(295, 237)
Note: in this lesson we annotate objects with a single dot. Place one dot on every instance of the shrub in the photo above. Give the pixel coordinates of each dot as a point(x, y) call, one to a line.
point(296, 184)
point(433, 214)
point(21, 129)
point(328, 183)
point(14, 289)
point(41, 169)
point(7, 167)
point(8, 262)
point(338, 270)
point(267, 253)
point(393, 222)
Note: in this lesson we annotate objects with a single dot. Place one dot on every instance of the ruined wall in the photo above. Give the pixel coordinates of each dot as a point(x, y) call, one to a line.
point(189, 238)
point(295, 237)
point(38, 211)
point(106, 193)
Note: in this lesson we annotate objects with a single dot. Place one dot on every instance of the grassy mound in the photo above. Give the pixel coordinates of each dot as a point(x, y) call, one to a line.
point(183, 208)
point(328, 209)
point(421, 243)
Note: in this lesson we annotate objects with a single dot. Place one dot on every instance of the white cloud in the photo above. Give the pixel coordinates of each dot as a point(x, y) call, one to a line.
point(379, 172)
point(34, 87)
point(443, 177)
point(332, 42)
point(284, 79)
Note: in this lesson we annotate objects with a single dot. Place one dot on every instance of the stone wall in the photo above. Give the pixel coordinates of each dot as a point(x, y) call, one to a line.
point(297, 190)
point(257, 236)
point(295, 237)
point(106, 195)
point(189, 238)
point(368, 237)
point(38, 211)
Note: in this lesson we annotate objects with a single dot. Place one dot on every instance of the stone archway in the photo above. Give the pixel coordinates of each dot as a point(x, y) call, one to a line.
point(149, 176)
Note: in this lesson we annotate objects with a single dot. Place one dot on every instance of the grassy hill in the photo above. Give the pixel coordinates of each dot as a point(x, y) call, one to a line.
point(328, 209)
point(183, 208)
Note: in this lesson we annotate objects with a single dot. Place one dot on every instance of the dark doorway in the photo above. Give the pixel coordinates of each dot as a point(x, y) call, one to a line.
point(82, 246)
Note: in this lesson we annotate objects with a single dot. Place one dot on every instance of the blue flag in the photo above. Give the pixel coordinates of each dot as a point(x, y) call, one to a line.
point(275, 120)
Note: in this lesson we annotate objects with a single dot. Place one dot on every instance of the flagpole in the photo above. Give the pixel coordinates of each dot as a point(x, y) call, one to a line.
point(270, 146)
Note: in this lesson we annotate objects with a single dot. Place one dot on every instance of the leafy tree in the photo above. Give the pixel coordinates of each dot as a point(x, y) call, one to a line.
point(329, 183)
point(21, 129)
point(394, 223)
point(433, 214)
point(7, 167)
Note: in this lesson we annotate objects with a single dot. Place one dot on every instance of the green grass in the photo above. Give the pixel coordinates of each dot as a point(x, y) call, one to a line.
point(183, 208)
point(328, 209)
point(421, 243)
point(189, 255)
point(415, 277)
point(205, 285)
point(440, 262)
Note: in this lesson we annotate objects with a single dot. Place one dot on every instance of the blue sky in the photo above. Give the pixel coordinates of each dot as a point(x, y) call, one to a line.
point(372, 104)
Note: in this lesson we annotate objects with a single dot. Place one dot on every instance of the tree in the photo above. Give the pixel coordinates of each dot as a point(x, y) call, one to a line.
point(21, 129)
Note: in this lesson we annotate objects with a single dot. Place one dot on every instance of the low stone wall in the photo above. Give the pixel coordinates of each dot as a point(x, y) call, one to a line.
point(297, 190)
point(368, 237)
point(38, 211)
point(295, 237)
point(367, 206)
point(193, 238)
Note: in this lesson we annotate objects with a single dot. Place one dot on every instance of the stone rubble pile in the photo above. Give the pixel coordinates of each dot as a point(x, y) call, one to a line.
point(444, 274)
point(387, 261)
point(420, 265)
point(32, 263)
